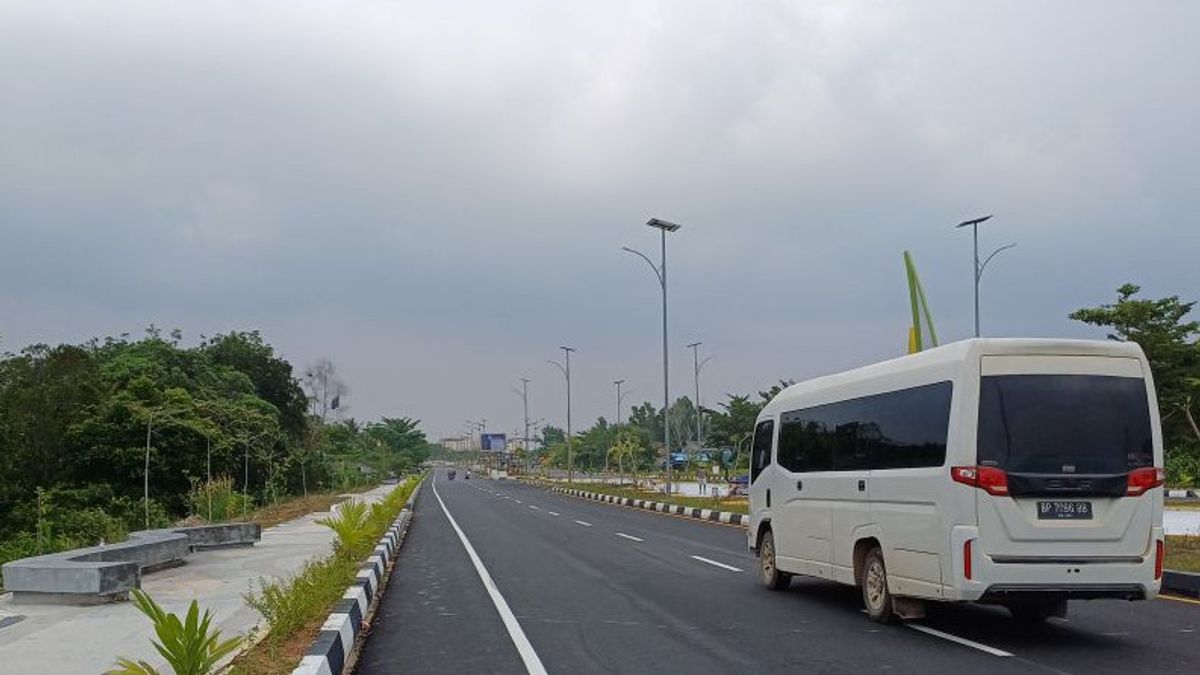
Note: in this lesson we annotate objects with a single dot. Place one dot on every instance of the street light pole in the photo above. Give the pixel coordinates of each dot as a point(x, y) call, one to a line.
point(697, 365)
point(618, 383)
point(974, 223)
point(566, 371)
point(661, 272)
point(525, 400)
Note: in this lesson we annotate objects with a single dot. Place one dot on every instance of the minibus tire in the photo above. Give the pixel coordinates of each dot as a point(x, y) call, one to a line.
point(772, 578)
point(876, 597)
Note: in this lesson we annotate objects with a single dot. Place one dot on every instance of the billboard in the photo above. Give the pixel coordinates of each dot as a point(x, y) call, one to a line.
point(493, 442)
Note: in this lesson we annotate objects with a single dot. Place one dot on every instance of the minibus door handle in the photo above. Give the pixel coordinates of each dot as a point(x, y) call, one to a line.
point(862, 486)
point(799, 485)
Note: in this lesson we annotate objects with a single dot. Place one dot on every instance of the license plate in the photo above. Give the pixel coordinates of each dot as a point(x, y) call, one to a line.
point(1064, 510)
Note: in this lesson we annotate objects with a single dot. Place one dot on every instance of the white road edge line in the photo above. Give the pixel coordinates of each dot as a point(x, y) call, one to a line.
point(628, 536)
point(954, 638)
point(533, 664)
point(723, 566)
point(580, 522)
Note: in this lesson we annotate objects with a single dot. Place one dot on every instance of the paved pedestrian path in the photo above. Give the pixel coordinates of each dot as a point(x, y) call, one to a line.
point(56, 640)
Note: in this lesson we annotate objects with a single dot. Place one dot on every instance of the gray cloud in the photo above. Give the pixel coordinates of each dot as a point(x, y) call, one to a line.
point(434, 194)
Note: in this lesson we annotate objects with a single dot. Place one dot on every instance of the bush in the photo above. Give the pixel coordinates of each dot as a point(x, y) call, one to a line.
point(1183, 467)
point(349, 525)
point(288, 604)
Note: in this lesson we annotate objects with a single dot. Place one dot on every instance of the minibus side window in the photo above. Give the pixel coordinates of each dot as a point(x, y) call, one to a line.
point(900, 429)
point(760, 455)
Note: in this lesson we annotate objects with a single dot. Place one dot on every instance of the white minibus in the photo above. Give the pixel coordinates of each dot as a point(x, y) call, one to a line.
point(1017, 472)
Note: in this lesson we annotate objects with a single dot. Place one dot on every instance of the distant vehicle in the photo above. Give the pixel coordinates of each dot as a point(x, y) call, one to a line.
point(679, 460)
point(1016, 472)
point(450, 474)
point(466, 475)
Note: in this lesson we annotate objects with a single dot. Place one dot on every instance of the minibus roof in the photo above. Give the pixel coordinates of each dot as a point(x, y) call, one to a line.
point(963, 351)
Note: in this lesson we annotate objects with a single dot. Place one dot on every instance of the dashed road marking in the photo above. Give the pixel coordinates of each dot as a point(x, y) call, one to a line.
point(714, 563)
point(534, 507)
point(553, 513)
point(628, 536)
point(959, 640)
point(517, 501)
point(580, 522)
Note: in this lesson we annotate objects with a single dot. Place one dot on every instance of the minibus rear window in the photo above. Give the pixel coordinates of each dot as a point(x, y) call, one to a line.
point(1064, 424)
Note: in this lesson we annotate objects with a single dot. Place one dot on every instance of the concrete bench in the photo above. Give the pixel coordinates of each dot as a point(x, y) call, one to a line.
point(99, 574)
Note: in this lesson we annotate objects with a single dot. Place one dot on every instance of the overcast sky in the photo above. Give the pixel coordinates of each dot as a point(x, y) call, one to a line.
point(434, 194)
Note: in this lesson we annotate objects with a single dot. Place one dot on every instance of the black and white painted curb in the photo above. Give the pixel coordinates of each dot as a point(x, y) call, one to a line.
point(330, 652)
point(660, 507)
point(1181, 583)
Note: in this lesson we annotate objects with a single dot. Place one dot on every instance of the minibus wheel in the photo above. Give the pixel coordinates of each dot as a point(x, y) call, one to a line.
point(772, 578)
point(876, 596)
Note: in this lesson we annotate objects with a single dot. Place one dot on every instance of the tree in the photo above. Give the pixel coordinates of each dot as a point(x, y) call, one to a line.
point(1171, 346)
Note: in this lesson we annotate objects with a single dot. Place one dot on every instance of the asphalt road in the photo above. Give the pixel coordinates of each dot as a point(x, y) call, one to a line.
point(594, 588)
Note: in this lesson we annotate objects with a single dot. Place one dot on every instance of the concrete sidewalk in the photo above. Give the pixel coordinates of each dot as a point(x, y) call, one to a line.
point(53, 640)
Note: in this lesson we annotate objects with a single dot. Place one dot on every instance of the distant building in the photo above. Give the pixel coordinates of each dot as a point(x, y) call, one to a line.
point(457, 443)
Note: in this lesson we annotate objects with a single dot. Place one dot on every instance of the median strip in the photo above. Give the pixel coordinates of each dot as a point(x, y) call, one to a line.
point(701, 514)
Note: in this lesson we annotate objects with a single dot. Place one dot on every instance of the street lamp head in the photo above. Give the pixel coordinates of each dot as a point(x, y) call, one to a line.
point(618, 381)
point(663, 225)
point(974, 221)
point(694, 345)
point(567, 349)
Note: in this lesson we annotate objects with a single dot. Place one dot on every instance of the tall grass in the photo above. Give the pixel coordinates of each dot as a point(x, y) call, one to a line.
point(216, 500)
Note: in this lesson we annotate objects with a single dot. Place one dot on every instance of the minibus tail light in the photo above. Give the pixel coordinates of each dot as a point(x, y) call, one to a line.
point(1143, 479)
point(987, 478)
point(1158, 559)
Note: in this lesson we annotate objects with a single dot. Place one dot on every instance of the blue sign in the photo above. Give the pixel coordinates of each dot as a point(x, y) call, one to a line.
point(493, 442)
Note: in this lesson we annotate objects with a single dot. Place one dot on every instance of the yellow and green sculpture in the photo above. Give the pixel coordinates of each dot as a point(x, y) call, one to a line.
point(920, 307)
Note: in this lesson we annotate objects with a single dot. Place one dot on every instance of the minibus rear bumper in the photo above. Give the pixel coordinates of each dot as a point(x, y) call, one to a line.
point(1002, 580)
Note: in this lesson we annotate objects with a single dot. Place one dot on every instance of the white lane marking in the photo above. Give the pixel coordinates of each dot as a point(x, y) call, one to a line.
point(723, 566)
point(534, 507)
point(628, 536)
point(533, 664)
point(553, 513)
point(580, 522)
point(954, 638)
point(517, 501)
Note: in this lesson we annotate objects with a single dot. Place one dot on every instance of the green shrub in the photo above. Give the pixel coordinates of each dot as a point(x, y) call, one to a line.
point(191, 646)
point(349, 525)
point(288, 604)
point(1183, 467)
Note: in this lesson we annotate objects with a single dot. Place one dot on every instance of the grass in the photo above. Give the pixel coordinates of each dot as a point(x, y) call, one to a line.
point(296, 606)
point(1183, 553)
point(734, 505)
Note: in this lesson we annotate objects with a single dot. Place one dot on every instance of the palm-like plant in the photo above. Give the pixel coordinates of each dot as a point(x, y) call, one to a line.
point(190, 646)
point(350, 528)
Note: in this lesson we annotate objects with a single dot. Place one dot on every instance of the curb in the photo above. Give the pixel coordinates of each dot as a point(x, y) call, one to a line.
point(709, 515)
point(331, 653)
point(1181, 583)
